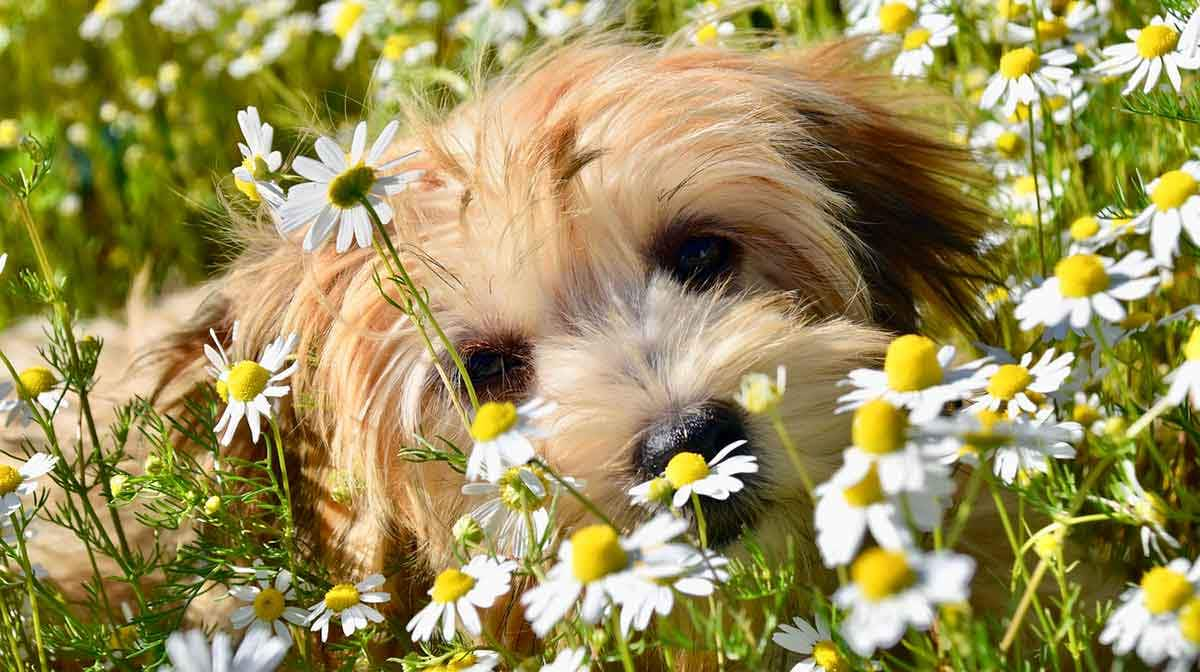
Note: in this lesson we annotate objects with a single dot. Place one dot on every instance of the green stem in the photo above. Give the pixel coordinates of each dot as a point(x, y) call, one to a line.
point(27, 569)
point(622, 644)
point(701, 527)
point(793, 453)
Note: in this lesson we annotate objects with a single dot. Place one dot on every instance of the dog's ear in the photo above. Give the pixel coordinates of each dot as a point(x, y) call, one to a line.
point(914, 220)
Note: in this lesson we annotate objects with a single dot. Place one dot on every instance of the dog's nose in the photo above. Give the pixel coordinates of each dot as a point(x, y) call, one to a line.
point(704, 430)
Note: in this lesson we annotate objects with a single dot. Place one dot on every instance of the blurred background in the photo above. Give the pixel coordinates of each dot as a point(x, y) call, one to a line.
point(137, 99)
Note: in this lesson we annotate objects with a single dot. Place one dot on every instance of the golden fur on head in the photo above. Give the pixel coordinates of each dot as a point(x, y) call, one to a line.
point(543, 229)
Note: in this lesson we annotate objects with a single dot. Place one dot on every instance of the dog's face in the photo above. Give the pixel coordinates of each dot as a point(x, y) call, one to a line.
point(627, 233)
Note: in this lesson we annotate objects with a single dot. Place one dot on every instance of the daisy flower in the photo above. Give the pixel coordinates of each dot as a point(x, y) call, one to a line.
point(347, 19)
point(916, 48)
point(1174, 207)
point(1004, 147)
point(853, 501)
point(815, 642)
point(267, 607)
point(1185, 380)
point(36, 384)
point(1145, 508)
point(759, 394)
point(911, 29)
point(491, 22)
point(568, 660)
point(248, 387)
point(712, 33)
point(1089, 412)
point(688, 472)
point(521, 497)
point(501, 431)
point(458, 593)
point(1166, 44)
point(1019, 386)
point(475, 660)
point(17, 482)
point(1148, 618)
point(259, 162)
point(1034, 442)
point(332, 198)
point(1076, 26)
point(350, 603)
point(1084, 284)
point(1064, 105)
point(661, 572)
point(880, 437)
point(104, 19)
point(190, 651)
point(1023, 73)
point(596, 564)
point(889, 590)
point(916, 375)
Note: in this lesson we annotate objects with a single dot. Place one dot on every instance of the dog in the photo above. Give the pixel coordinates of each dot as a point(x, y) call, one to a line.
point(625, 230)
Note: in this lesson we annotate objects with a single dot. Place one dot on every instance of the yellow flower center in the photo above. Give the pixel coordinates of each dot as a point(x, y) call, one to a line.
point(10, 479)
point(1011, 10)
point(1115, 427)
point(1081, 275)
point(827, 657)
point(103, 7)
point(1165, 590)
point(1025, 185)
point(596, 552)
point(896, 17)
point(1189, 620)
point(451, 585)
point(1085, 227)
point(996, 295)
point(348, 189)
point(1173, 189)
point(247, 380)
point(124, 637)
point(1192, 349)
point(660, 491)
point(1019, 63)
point(1156, 41)
point(879, 427)
point(493, 419)
point(1085, 414)
point(1149, 508)
point(34, 381)
point(223, 390)
point(759, 393)
point(917, 38)
point(395, 45)
point(707, 34)
point(912, 364)
point(1010, 145)
point(341, 597)
point(347, 17)
point(1008, 380)
point(249, 189)
point(1052, 29)
point(516, 495)
point(686, 468)
point(881, 573)
point(268, 604)
point(866, 492)
point(211, 505)
point(459, 661)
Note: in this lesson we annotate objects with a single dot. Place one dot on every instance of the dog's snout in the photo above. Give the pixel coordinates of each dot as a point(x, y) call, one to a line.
point(704, 430)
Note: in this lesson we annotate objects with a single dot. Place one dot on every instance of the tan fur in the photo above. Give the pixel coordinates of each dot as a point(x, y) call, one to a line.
point(537, 221)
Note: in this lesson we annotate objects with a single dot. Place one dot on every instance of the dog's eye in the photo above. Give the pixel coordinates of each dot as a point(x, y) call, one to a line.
point(701, 261)
point(490, 368)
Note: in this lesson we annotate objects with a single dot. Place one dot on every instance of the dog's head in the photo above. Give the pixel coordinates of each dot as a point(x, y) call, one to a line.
point(627, 232)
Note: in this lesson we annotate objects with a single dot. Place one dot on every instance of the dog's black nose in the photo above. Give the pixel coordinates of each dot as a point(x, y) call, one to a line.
point(704, 430)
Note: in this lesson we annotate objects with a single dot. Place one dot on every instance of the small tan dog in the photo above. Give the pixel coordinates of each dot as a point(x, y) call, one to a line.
point(626, 231)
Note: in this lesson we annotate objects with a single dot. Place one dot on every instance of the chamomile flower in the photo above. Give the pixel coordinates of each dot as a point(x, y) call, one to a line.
point(1174, 207)
point(475, 660)
point(661, 572)
point(249, 387)
point(689, 472)
point(1076, 26)
point(267, 607)
point(34, 385)
point(1023, 74)
point(521, 497)
point(17, 482)
point(103, 22)
point(501, 431)
point(338, 183)
point(879, 433)
point(458, 594)
point(596, 564)
point(712, 33)
point(1004, 147)
point(1087, 284)
point(555, 18)
point(916, 375)
point(912, 29)
point(853, 501)
point(348, 20)
point(349, 603)
point(259, 162)
point(190, 651)
point(1149, 616)
point(759, 394)
point(1135, 503)
point(567, 660)
point(1064, 106)
point(1165, 44)
point(890, 590)
point(916, 47)
point(1185, 379)
point(815, 642)
point(1018, 386)
point(1089, 412)
point(491, 22)
point(1033, 443)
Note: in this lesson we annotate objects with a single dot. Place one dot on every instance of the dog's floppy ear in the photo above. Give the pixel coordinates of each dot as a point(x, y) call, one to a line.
point(912, 210)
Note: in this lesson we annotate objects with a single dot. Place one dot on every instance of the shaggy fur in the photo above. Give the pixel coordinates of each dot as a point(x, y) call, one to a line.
point(541, 227)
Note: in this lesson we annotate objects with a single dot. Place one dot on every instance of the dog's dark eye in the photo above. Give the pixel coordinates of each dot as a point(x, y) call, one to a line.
point(496, 372)
point(700, 261)
point(485, 366)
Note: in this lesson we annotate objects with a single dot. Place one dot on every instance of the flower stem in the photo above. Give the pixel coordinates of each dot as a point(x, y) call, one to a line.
point(622, 644)
point(27, 569)
point(700, 524)
point(793, 453)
